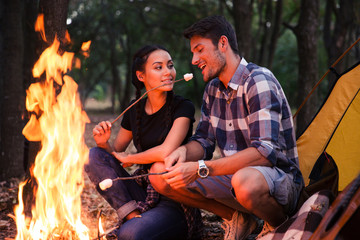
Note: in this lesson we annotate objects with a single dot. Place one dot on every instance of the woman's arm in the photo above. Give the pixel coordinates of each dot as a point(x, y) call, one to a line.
point(172, 141)
point(122, 140)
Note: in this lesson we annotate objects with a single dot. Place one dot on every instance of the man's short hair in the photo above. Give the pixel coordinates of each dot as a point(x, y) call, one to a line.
point(213, 28)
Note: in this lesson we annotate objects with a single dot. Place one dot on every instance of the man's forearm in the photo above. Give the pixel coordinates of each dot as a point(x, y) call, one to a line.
point(194, 151)
point(231, 164)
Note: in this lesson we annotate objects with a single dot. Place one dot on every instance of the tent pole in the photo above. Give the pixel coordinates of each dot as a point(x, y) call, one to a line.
point(322, 78)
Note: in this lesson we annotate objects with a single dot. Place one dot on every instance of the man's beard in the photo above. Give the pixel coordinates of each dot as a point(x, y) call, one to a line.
point(221, 62)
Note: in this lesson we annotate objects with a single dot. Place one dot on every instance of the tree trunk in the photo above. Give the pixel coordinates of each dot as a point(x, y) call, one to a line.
point(306, 34)
point(112, 36)
point(31, 54)
point(128, 52)
point(116, 81)
point(125, 100)
point(275, 33)
point(242, 14)
point(266, 31)
point(12, 91)
point(335, 40)
point(55, 15)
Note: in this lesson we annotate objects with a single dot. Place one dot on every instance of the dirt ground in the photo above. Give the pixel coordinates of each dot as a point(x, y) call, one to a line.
point(92, 202)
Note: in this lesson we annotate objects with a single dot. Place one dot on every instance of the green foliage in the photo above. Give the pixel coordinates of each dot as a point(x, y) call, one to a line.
point(99, 92)
point(285, 65)
point(117, 28)
point(132, 24)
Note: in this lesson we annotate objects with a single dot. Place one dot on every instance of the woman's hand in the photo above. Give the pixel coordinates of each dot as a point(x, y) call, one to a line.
point(102, 132)
point(122, 157)
point(177, 156)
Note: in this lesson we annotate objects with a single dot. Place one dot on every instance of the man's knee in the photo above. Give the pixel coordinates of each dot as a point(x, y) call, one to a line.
point(249, 185)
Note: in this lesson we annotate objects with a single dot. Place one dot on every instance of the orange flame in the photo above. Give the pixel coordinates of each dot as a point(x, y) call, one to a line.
point(101, 229)
point(85, 48)
point(59, 123)
point(39, 26)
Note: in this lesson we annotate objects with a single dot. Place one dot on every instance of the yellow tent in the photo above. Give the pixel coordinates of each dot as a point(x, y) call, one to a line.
point(335, 130)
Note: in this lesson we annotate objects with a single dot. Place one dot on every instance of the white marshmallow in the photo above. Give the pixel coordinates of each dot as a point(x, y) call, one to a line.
point(105, 184)
point(188, 76)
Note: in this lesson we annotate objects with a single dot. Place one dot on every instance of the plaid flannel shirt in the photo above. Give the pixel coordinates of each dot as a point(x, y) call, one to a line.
point(251, 112)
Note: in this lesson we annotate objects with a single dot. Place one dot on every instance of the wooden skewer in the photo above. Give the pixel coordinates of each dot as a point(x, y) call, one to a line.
point(137, 176)
point(108, 183)
point(142, 97)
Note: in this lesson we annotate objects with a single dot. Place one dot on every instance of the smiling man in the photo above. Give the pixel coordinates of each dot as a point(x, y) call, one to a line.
point(245, 112)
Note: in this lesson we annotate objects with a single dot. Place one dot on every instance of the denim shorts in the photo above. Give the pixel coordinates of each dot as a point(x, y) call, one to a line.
point(219, 188)
point(282, 186)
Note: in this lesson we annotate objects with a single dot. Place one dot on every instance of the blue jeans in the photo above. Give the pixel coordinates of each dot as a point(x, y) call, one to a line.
point(165, 221)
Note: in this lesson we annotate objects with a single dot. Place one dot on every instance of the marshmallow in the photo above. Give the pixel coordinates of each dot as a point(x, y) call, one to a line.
point(105, 184)
point(188, 76)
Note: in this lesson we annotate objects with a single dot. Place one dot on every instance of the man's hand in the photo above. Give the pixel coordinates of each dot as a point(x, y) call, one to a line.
point(121, 156)
point(102, 132)
point(182, 174)
point(177, 156)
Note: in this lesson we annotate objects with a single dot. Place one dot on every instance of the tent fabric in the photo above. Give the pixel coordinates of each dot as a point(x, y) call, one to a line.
point(336, 130)
point(345, 144)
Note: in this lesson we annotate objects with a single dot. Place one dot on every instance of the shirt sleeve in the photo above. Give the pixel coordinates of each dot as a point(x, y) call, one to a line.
point(264, 104)
point(185, 108)
point(204, 133)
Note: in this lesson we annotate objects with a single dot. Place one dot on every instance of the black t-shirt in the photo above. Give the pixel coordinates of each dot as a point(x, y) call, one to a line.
point(153, 130)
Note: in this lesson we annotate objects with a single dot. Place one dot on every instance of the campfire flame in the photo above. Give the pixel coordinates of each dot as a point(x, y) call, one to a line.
point(58, 121)
point(101, 230)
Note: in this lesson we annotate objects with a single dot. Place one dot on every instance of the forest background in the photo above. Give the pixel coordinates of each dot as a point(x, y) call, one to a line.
point(297, 40)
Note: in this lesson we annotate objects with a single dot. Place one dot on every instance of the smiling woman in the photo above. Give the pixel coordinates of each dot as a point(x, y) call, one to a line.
point(157, 125)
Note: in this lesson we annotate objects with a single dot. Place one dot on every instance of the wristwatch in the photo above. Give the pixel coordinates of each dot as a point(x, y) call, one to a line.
point(203, 170)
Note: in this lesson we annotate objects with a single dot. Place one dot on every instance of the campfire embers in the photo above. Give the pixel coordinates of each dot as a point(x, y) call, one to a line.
point(59, 123)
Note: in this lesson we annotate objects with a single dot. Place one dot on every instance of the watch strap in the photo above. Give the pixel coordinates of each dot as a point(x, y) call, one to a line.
point(202, 163)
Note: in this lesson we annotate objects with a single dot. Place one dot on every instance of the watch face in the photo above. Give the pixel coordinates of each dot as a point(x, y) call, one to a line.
point(203, 172)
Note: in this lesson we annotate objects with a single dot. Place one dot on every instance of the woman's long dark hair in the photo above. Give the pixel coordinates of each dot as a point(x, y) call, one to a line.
point(139, 60)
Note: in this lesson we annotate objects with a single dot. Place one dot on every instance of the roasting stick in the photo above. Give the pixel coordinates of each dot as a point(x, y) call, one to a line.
point(107, 183)
point(187, 77)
